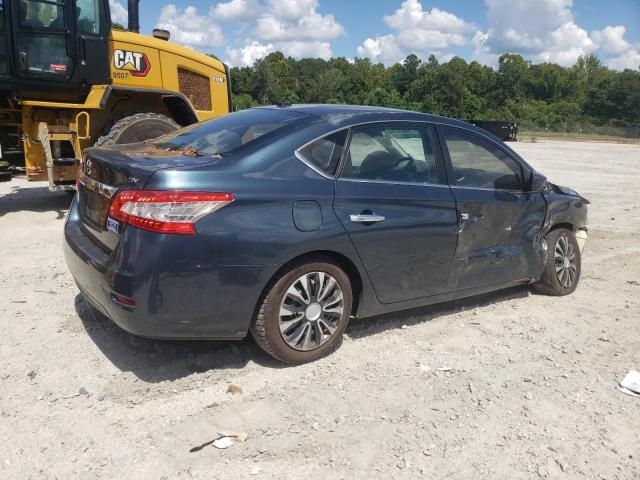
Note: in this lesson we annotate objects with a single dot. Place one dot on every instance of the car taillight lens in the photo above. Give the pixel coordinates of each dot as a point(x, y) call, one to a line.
point(166, 211)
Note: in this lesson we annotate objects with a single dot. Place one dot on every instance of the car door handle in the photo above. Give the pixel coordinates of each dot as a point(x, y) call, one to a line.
point(467, 219)
point(366, 218)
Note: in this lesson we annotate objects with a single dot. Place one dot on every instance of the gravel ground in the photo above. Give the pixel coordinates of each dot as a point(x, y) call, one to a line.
point(508, 385)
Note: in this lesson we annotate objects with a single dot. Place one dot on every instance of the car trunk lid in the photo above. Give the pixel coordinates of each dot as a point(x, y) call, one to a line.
point(105, 171)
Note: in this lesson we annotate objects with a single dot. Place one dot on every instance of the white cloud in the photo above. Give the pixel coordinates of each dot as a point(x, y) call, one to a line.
point(417, 31)
point(297, 49)
point(246, 56)
point(611, 40)
point(567, 43)
point(294, 27)
point(544, 30)
point(620, 53)
point(235, 10)
point(252, 51)
point(118, 12)
point(513, 23)
point(630, 59)
point(287, 20)
point(189, 28)
point(481, 53)
point(381, 49)
point(291, 9)
point(411, 15)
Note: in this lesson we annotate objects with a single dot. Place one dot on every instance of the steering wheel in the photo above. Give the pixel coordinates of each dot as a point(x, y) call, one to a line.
point(410, 162)
point(404, 169)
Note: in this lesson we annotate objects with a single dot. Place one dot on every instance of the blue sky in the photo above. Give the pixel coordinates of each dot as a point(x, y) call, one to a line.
point(241, 31)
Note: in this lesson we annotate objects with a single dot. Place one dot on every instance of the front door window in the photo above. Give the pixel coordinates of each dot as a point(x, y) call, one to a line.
point(477, 163)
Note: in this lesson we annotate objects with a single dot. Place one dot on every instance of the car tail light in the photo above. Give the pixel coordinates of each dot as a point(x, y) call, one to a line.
point(166, 211)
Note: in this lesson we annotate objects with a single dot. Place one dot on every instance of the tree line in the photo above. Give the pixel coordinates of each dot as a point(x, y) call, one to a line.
point(518, 90)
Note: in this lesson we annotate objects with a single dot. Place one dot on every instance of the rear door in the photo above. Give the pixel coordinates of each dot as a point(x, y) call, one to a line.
point(392, 199)
point(499, 220)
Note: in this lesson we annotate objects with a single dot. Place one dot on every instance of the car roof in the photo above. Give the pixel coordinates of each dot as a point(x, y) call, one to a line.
point(342, 115)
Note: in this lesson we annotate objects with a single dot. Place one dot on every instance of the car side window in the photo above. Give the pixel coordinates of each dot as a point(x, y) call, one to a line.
point(325, 152)
point(478, 163)
point(395, 154)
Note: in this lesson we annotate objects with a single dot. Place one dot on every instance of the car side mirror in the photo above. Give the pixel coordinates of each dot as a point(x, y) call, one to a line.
point(537, 182)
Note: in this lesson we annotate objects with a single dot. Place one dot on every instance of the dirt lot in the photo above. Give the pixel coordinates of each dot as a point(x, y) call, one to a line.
point(509, 385)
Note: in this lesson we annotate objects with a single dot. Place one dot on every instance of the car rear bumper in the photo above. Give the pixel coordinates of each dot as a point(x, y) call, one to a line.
point(179, 291)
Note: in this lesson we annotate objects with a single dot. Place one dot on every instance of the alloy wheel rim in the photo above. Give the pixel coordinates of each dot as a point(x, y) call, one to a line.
point(565, 261)
point(311, 310)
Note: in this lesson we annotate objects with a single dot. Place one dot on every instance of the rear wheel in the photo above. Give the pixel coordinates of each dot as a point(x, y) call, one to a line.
point(304, 312)
point(562, 269)
point(137, 128)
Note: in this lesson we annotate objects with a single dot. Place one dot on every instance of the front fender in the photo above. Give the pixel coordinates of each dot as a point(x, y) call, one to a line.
point(568, 208)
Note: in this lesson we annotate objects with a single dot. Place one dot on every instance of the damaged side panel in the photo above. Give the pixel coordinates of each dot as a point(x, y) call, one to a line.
point(500, 238)
point(566, 208)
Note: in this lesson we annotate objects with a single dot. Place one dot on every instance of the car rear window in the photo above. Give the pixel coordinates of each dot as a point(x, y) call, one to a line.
point(227, 133)
point(325, 153)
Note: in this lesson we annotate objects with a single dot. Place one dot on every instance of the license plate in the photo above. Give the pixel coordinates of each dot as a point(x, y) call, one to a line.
point(113, 225)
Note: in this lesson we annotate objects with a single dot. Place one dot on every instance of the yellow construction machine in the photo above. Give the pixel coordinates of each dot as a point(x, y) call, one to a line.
point(68, 81)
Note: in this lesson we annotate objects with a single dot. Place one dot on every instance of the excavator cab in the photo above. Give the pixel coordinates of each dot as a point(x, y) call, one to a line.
point(57, 47)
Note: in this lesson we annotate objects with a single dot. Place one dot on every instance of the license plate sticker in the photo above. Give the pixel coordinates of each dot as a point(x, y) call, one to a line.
point(113, 225)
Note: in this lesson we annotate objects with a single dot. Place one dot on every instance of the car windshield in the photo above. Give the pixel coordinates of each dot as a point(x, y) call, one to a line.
point(227, 133)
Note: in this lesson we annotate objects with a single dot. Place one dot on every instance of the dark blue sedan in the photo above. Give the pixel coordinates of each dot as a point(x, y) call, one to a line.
point(288, 221)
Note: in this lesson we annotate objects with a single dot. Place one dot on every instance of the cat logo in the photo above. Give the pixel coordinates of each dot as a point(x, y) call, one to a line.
point(136, 63)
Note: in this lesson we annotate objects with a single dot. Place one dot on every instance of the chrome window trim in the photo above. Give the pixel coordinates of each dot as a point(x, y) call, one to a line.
point(507, 151)
point(98, 187)
point(308, 163)
point(493, 189)
point(311, 165)
point(391, 182)
point(424, 124)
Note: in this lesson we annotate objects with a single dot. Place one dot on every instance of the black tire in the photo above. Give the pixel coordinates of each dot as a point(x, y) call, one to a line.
point(265, 327)
point(137, 128)
point(552, 283)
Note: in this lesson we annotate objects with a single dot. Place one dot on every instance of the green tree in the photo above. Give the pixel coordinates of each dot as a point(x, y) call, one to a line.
point(543, 94)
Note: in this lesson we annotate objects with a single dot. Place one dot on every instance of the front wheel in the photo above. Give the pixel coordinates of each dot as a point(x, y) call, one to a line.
point(304, 312)
point(562, 268)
